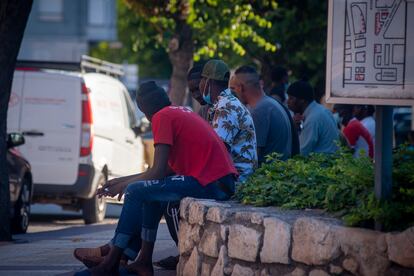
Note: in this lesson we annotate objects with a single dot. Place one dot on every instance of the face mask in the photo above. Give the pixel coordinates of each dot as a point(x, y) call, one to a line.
point(207, 98)
point(286, 86)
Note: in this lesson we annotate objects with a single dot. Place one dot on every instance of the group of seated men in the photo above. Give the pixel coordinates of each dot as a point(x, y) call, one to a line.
point(205, 155)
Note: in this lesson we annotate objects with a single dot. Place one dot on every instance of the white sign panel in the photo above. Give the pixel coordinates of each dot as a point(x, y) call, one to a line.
point(370, 57)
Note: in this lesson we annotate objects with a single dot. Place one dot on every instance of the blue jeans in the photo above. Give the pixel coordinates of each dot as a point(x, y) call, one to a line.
point(145, 202)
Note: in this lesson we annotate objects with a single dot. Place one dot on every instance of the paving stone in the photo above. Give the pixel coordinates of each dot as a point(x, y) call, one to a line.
point(217, 214)
point(314, 242)
point(222, 261)
point(351, 265)
point(210, 243)
point(196, 213)
point(368, 248)
point(401, 247)
point(276, 241)
point(243, 243)
point(253, 217)
point(334, 269)
point(188, 237)
point(206, 269)
point(193, 265)
point(318, 272)
point(185, 202)
point(239, 270)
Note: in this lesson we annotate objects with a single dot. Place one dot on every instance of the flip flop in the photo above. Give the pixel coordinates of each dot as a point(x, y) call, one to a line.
point(169, 263)
point(89, 256)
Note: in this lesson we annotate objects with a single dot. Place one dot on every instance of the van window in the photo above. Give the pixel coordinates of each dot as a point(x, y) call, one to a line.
point(131, 114)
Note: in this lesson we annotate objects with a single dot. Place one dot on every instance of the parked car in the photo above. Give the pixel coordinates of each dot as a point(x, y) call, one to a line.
point(80, 128)
point(21, 187)
point(402, 124)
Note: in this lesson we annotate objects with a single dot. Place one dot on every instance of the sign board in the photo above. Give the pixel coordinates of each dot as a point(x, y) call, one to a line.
point(370, 53)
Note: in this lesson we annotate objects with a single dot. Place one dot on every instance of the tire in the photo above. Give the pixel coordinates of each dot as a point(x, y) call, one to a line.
point(94, 209)
point(20, 220)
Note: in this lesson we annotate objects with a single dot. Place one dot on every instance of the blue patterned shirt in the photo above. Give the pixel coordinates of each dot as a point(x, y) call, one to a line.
point(234, 125)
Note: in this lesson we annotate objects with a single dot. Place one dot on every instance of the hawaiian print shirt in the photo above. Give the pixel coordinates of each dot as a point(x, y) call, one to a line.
point(234, 125)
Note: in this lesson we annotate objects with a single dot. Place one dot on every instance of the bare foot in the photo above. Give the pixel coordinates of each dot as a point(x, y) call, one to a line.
point(141, 269)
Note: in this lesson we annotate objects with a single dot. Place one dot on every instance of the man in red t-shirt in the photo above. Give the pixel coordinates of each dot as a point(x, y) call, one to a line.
point(189, 160)
point(356, 134)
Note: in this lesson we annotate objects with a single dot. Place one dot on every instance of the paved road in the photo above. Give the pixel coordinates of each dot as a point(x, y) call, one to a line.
point(53, 234)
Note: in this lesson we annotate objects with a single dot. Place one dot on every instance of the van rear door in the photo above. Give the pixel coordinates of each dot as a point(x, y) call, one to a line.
point(50, 120)
point(15, 103)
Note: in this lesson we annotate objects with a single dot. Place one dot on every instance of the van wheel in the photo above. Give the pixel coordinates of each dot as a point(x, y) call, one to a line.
point(20, 220)
point(93, 209)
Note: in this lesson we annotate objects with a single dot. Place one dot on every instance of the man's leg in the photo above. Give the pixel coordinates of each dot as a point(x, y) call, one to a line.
point(152, 212)
point(172, 218)
point(129, 223)
point(158, 192)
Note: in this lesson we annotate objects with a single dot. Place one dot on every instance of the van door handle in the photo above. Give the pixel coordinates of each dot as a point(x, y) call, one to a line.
point(33, 133)
point(129, 141)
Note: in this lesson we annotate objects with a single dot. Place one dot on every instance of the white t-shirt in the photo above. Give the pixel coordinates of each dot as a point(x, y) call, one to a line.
point(369, 124)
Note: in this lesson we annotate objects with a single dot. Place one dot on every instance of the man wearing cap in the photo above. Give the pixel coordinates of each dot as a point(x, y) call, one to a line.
point(318, 132)
point(189, 160)
point(275, 131)
point(229, 117)
point(193, 82)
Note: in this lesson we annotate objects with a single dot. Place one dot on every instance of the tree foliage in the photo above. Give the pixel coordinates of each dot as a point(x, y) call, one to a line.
point(190, 30)
point(217, 25)
point(261, 33)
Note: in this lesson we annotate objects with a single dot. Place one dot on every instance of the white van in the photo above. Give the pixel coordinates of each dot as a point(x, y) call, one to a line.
point(80, 128)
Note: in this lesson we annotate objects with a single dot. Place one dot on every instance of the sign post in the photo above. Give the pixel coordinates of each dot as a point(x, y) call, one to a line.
point(370, 60)
point(383, 150)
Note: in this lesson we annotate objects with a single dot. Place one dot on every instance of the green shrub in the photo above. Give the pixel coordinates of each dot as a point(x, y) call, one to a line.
point(337, 183)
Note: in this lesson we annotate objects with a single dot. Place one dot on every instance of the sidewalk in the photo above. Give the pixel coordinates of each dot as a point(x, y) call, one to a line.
point(50, 252)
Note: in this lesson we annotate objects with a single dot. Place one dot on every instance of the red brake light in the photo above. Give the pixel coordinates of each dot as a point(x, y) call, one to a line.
point(87, 123)
point(27, 69)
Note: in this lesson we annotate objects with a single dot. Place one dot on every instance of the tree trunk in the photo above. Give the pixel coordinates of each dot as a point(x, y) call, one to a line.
point(13, 18)
point(181, 57)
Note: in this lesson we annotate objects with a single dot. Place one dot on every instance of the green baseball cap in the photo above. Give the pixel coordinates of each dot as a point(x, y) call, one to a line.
point(216, 69)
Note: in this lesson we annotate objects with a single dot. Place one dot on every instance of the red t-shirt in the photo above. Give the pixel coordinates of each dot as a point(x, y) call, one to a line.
point(196, 150)
point(354, 130)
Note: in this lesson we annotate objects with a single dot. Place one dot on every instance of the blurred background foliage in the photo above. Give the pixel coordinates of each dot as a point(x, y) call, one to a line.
point(261, 33)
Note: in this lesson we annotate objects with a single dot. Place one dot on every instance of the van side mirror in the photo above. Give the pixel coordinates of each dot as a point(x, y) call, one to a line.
point(143, 126)
point(14, 140)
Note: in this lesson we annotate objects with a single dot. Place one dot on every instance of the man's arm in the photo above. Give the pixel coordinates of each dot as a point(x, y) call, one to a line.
point(159, 170)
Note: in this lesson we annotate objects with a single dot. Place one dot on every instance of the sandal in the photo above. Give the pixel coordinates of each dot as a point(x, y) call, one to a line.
point(169, 263)
point(91, 256)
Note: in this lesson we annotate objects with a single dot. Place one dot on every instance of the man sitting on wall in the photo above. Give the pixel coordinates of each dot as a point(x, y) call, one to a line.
point(190, 160)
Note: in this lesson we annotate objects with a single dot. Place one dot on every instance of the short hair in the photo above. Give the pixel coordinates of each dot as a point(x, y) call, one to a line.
point(254, 77)
point(195, 72)
point(278, 73)
point(245, 69)
point(301, 89)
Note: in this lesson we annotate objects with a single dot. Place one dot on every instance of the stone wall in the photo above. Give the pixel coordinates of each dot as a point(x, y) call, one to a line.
point(226, 238)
